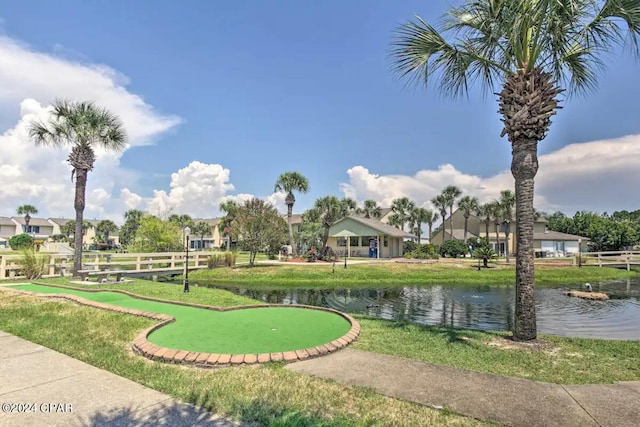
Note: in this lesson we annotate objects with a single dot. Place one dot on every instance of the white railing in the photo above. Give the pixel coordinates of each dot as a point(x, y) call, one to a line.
point(609, 258)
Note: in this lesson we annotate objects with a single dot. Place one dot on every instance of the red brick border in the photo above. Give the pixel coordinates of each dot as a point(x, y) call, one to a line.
point(143, 347)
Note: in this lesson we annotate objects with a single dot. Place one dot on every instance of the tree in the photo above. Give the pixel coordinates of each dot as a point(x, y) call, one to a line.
point(395, 220)
point(259, 226)
point(156, 235)
point(507, 202)
point(69, 229)
point(440, 203)
point(467, 205)
point(417, 217)
point(21, 242)
point(430, 219)
point(128, 230)
point(484, 212)
point(330, 209)
point(531, 48)
point(403, 207)
point(495, 212)
point(84, 126)
point(451, 194)
point(229, 207)
point(27, 211)
point(105, 228)
point(201, 229)
point(289, 182)
point(370, 209)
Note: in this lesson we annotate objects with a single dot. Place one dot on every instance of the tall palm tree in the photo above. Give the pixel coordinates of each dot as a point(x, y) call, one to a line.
point(27, 211)
point(507, 203)
point(403, 207)
point(451, 194)
point(430, 219)
point(495, 211)
point(532, 49)
point(440, 202)
point(467, 205)
point(84, 126)
point(370, 209)
point(484, 211)
point(230, 209)
point(201, 229)
point(106, 227)
point(417, 217)
point(290, 182)
point(395, 220)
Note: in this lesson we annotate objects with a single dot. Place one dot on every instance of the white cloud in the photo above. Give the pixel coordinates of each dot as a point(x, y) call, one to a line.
point(598, 176)
point(29, 80)
point(198, 189)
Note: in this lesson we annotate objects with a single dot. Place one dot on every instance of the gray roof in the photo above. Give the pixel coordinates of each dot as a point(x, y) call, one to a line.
point(378, 226)
point(211, 222)
point(295, 218)
point(458, 234)
point(61, 221)
point(41, 222)
point(556, 235)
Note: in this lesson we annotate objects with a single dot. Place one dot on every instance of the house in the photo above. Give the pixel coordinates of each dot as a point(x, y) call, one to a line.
point(367, 237)
point(39, 228)
point(545, 243)
point(89, 237)
point(211, 240)
point(7, 230)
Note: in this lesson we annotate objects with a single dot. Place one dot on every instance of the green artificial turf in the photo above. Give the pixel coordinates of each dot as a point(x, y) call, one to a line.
point(255, 330)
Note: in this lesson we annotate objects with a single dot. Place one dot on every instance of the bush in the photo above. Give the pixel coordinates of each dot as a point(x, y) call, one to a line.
point(453, 248)
point(410, 246)
point(425, 251)
point(485, 253)
point(32, 264)
point(21, 242)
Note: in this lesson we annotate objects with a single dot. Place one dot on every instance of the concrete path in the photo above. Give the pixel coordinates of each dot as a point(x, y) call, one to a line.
point(47, 388)
point(507, 401)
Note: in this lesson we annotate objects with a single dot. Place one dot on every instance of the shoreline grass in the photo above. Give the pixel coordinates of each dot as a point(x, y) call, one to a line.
point(395, 274)
point(265, 395)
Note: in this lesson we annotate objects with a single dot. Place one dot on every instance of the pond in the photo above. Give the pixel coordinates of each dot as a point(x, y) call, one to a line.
point(481, 307)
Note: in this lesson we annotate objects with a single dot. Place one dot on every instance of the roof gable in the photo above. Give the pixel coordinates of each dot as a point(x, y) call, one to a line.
point(373, 226)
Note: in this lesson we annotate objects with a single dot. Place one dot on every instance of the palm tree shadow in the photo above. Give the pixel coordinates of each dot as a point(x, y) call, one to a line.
point(176, 414)
point(453, 335)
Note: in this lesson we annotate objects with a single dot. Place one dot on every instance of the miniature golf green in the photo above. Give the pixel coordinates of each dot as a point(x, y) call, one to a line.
point(242, 331)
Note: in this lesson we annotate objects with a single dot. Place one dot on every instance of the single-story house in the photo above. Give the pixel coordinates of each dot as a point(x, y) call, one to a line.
point(555, 243)
point(366, 237)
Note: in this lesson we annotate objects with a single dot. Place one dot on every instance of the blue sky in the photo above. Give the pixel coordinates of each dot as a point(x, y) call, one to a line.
point(261, 87)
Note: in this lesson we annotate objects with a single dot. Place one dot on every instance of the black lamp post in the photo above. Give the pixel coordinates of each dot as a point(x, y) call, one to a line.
point(27, 219)
point(187, 231)
point(478, 244)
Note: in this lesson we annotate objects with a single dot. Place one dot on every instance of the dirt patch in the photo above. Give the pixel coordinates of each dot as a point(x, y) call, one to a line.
point(506, 343)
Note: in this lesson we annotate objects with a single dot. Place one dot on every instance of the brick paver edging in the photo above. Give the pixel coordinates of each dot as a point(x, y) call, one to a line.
point(143, 347)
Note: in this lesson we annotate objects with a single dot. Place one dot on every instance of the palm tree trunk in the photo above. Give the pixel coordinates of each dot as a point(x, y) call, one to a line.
point(451, 221)
point(466, 223)
point(524, 166)
point(81, 187)
point(506, 241)
point(430, 231)
point(486, 229)
point(325, 236)
point(419, 234)
point(444, 228)
point(294, 250)
point(497, 238)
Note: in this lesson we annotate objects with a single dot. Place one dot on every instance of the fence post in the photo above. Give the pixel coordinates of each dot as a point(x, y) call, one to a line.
point(52, 265)
point(628, 262)
point(173, 260)
point(599, 260)
point(3, 266)
point(138, 263)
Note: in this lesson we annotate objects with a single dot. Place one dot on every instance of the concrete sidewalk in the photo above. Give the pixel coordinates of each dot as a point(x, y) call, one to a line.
point(507, 401)
point(41, 387)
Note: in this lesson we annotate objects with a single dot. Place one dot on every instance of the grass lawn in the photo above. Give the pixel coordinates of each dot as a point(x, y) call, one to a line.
point(394, 274)
point(259, 330)
point(266, 395)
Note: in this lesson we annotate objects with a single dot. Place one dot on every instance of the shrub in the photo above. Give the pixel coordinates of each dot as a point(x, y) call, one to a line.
point(21, 242)
point(33, 265)
point(486, 254)
point(410, 246)
point(453, 248)
point(425, 251)
point(227, 259)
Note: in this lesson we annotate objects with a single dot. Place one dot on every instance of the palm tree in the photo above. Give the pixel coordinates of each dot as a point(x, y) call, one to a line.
point(84, 126)
point(330, 209)
point(495, 212)
point(370, 209)
point(484, 212)
point(467, 205)
point(507, 202)
point(230, 208)
point(418, 216)
point(131, 224)
point(451, 193)
point(403, 207)
point(531, 48)
point(27, 211)
point(430, 219)
point(201, 229)
point(395, 220)
point(440, 202)
point(106, 227)
point(290, 182)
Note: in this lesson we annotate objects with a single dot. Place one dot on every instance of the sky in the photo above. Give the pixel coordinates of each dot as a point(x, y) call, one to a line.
point(219, 98)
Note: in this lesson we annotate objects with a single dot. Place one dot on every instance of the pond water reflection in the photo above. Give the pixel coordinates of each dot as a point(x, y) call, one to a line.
point(481, 307)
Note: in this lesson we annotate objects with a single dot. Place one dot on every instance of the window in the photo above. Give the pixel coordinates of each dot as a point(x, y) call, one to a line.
point(342, 241)
point(386, 241)
point(31, 229)
point(366, 241)
point(354, 241)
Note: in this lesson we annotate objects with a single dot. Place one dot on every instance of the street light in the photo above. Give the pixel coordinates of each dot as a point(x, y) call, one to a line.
point(579, 253)
point(478, 242)
point(187, 231)
point(27, 219)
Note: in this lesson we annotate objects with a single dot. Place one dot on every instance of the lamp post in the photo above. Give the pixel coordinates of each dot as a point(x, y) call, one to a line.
point(579, 253)
point(27, 219)
point(478, 244)
point(187, 231)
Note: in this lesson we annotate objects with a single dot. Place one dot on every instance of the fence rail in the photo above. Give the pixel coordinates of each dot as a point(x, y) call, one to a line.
point(625, 259)
point(62, 264)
